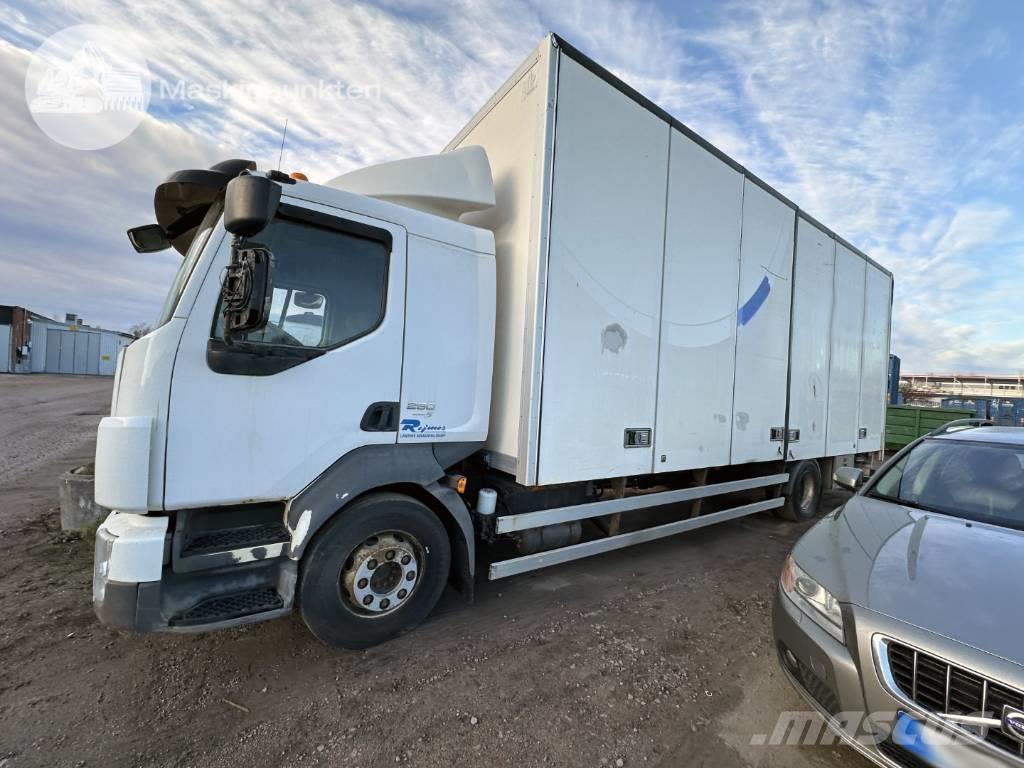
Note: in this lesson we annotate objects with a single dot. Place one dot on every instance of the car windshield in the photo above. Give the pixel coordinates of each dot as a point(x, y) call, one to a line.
point(968, 479)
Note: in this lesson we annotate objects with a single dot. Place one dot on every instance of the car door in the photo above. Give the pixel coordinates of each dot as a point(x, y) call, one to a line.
point(261, 418)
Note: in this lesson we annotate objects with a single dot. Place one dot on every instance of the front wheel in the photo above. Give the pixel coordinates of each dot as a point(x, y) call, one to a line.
point(803, 492)
point(374, 572)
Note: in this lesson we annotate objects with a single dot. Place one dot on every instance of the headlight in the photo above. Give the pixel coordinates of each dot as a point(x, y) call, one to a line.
point(816, 601)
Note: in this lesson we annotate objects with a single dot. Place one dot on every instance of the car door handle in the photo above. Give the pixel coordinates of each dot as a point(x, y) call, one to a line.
point(380, 417)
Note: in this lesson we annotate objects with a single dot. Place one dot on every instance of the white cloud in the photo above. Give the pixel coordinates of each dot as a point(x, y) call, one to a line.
point(861, 119)
point(64, 213)
point(854, 111)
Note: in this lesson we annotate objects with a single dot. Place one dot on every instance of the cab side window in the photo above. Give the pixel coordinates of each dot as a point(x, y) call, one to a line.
point(329, 286)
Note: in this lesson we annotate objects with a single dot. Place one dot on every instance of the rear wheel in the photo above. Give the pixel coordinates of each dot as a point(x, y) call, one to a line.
point(374, 572)
point(803, 492)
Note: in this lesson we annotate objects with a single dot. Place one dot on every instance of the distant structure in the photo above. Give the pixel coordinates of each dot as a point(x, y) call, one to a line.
point(893, 387)
point(34, 343)
point(997, 397)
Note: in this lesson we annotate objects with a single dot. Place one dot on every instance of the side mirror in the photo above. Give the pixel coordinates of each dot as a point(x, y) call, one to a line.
point(250, 203)
point(247, 290)
point(848, 477)
point(149, 238)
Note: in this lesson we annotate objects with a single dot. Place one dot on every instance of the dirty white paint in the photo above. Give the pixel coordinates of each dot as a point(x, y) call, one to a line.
point(301, 530)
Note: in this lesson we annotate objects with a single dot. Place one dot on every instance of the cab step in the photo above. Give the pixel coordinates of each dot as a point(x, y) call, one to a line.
point(228, 607)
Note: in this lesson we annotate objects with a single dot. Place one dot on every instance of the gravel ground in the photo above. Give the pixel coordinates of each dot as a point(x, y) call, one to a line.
point(658, 655)
point(44, 417)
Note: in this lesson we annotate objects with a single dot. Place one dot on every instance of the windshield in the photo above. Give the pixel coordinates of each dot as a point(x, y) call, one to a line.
point(968, 479)
point(188, 263)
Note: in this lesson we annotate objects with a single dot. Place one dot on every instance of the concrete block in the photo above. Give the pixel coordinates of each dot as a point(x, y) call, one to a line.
point(78, 509)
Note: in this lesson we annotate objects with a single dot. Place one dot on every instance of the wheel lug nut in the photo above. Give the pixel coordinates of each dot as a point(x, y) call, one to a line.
point(384, 604)
point(371, 563)
point(390, 554)
point(406, 559)
point(402, 593)
point(410, 575)
point(362, 583)
point(368, 599)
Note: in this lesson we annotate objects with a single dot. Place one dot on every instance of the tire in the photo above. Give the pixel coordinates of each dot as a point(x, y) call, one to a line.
point(802, 493)
point(356, 570)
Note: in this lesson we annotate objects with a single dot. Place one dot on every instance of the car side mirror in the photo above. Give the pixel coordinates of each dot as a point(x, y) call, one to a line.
point(250, 203)
point(848, 477)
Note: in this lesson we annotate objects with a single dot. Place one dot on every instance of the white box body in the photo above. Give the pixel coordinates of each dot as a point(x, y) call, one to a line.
point(659, 308)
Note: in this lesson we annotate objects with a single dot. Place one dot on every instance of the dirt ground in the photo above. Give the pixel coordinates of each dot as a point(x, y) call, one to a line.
point(656, 655)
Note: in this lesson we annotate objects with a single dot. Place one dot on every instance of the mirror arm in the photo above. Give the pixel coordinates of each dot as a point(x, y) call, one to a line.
point(237, 243)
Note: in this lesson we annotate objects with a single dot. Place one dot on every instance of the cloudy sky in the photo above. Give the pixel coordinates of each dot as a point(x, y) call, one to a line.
point(898, 124)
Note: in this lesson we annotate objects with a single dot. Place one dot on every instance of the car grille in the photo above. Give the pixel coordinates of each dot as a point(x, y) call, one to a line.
point(948, 689)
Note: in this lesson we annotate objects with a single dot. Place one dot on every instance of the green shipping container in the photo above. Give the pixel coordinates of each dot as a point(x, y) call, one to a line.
point(905, 423)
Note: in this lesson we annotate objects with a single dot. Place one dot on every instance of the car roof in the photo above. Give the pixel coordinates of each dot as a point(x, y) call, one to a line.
point(1012, 435)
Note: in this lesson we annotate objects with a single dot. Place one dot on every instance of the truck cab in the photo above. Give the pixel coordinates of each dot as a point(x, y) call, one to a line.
point(362, 363)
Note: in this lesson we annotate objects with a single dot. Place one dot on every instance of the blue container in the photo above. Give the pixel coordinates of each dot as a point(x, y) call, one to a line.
point(894, 380)
point(980, 405)
point(1006, 412)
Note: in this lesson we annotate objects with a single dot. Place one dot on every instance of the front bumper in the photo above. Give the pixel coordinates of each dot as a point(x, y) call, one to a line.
point(841, 683)
point(136, 588)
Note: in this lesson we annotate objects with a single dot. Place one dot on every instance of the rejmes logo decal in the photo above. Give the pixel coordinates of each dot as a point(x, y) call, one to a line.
point(416, 428)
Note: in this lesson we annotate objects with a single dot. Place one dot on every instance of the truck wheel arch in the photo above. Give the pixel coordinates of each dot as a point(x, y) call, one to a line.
point(411, 469)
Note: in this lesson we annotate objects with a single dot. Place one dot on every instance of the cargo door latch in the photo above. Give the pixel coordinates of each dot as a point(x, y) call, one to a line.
point(637, 437)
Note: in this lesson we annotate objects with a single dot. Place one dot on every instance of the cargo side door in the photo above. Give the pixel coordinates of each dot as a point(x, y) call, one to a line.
point(846, 342)
point(698, 310)
point(604, 283)
point(875, 358)
point(813, 274)
point(762, 326)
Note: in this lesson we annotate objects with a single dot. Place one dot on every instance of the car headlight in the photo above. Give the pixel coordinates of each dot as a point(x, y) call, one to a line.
point(812, 598)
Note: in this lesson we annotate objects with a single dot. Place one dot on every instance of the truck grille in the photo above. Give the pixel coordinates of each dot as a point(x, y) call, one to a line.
point(948, 689)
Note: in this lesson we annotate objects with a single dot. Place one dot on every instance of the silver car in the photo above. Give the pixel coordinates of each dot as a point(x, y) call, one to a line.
point(900, 616)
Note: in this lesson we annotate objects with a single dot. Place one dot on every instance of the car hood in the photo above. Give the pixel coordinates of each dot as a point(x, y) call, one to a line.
point(956, 578)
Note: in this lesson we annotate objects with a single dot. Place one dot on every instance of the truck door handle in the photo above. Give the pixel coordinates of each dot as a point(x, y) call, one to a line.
point(380, 417)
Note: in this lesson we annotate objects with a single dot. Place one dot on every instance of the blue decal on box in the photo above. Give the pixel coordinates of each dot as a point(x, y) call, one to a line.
point(746, 313)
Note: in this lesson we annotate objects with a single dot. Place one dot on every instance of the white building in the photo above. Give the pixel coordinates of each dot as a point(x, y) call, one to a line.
point(34, 343)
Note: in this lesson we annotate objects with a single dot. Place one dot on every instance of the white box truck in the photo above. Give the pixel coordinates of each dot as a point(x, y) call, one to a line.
point(503, 353)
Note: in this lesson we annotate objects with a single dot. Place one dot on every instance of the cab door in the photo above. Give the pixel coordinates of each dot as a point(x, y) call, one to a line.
point(260, 418)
